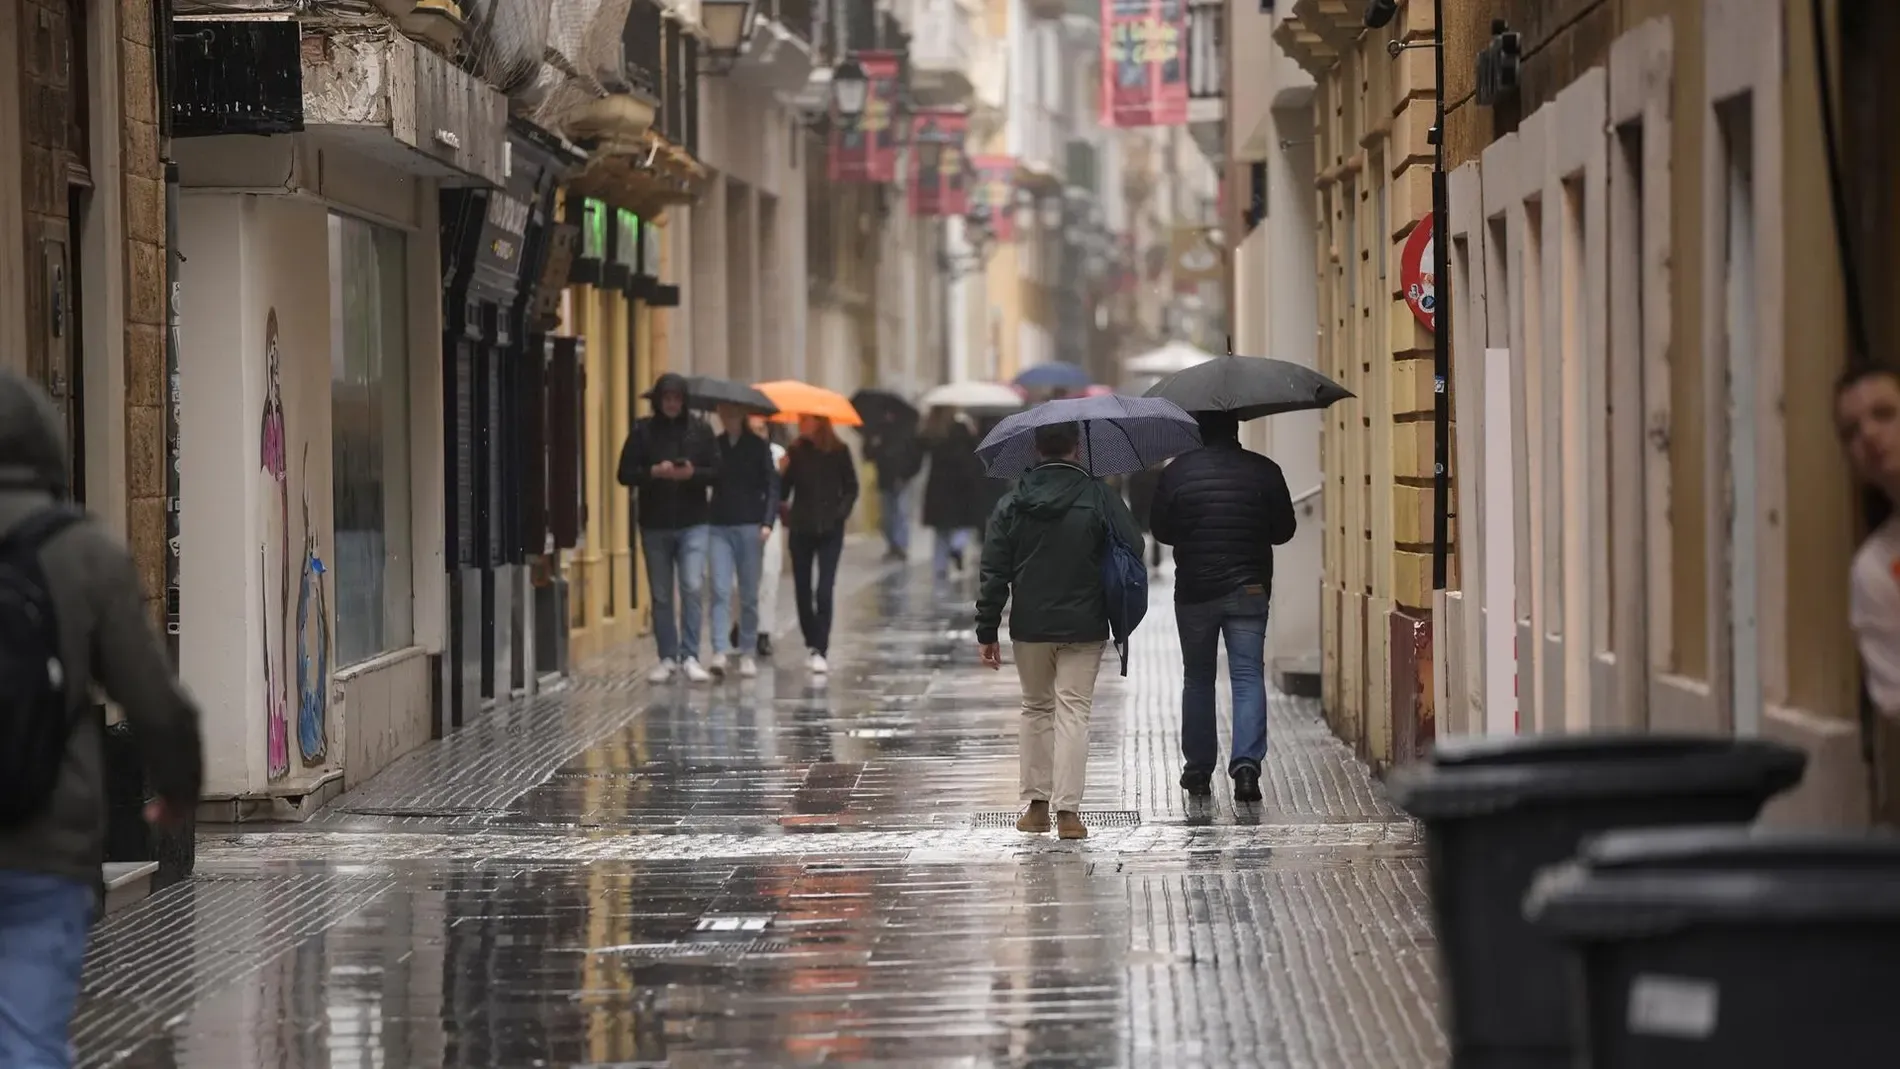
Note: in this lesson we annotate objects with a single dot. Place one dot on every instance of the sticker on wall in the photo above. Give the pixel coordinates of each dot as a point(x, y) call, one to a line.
point(313, 640)
point(1417, 274)
point(275, 464)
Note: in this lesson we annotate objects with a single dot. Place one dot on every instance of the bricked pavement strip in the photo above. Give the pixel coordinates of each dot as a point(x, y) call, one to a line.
point(777, 872)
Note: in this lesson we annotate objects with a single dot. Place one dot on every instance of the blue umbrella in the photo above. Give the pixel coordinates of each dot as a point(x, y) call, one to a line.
point(1054, 376)
point(1119, 434)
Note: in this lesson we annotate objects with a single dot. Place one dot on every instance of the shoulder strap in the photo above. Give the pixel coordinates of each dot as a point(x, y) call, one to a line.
point(36, 530)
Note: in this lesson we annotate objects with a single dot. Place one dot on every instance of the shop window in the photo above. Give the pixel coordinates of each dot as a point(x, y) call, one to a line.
point(369, 411)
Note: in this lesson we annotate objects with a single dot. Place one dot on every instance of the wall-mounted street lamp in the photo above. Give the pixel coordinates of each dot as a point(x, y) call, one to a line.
point(728, 26)
point(850, 88)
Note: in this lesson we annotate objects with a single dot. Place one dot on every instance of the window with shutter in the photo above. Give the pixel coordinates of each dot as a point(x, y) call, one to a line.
point(531, 444)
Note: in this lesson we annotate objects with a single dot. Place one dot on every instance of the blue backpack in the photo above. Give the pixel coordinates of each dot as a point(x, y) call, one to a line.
point(1124, 585)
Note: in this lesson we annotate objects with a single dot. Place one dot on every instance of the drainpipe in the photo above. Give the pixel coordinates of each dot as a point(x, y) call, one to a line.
point(162, 45)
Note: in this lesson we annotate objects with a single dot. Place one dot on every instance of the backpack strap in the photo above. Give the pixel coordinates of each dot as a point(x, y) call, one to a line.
point(32, 533)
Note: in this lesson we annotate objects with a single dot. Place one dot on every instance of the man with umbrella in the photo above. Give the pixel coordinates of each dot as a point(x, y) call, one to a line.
point(1223, 509)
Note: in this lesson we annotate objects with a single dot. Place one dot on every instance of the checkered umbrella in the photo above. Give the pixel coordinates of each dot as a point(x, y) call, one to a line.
point(1119, 435)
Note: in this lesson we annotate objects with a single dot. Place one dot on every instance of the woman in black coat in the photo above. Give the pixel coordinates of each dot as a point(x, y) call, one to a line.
point(954, 493)
point(821, 488)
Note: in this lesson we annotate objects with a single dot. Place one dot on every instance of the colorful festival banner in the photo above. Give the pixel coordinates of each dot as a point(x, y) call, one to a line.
point(993, 195)
point(1144, 62)
point(939, 170)
point(865, 149)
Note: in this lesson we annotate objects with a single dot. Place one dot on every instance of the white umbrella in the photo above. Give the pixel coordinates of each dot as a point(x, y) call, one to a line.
point(975, 395)
point(1170, 358)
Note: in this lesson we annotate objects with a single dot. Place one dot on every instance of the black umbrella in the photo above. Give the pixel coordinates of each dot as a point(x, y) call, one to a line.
point(1249, 387)
point(881, 407)
point(706, 393)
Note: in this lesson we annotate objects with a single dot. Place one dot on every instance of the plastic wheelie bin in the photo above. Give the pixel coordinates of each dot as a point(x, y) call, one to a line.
point(1730, 947)
point(1497, 810)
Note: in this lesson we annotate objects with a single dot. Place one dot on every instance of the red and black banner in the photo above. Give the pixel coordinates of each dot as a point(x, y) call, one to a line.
point(993, 195)
point(1144, 63)
point(939, 170)
point(864, 149)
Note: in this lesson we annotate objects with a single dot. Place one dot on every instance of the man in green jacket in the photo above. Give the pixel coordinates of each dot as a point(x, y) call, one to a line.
point(1044, 547)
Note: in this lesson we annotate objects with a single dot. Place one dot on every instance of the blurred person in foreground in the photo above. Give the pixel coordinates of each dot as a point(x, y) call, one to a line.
point(821, 489)
point(1867, 417)
point(72, 615)
point(1043, 553)
point(1223, 509)
point(670, 460)
point(744, 514)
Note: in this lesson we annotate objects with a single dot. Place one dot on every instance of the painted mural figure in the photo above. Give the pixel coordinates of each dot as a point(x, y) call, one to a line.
point(275, 463)
point(313, 690)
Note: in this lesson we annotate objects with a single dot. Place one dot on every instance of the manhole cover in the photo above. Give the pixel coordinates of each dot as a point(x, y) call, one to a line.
point(1094, 818)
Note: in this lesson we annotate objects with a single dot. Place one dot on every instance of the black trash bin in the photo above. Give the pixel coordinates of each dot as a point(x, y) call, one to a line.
point(1497, 810)
point(1705, 947)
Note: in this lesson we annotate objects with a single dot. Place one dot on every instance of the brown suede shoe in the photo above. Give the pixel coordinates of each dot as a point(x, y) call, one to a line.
point(1035, 818)
point(1069, 826)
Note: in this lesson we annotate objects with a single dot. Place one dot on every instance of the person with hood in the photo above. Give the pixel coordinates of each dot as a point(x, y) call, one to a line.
point(1223, 509)
point(670, 460)
point(892, 445)
point(1043, 553)
point(821, 489)
point(52, 847)
point(953, 492)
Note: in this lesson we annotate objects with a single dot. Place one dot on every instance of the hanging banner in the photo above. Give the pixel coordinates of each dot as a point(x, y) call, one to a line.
point(864, 149)
point(939, 171)
point(1144, 66)
point(993, 195)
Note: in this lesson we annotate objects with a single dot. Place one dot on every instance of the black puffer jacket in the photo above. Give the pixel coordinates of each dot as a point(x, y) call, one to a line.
point(1223, 509)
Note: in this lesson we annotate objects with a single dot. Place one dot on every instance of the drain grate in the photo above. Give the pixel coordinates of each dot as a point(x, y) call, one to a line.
point(1094, 818)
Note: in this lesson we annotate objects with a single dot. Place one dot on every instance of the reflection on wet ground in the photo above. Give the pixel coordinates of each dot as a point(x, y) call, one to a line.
point(772, 873)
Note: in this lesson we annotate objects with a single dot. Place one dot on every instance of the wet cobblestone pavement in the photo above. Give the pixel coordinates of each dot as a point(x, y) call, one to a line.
point(769, 872)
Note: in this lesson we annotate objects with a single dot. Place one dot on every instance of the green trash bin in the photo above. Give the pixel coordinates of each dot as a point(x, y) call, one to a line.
point(1497, 810)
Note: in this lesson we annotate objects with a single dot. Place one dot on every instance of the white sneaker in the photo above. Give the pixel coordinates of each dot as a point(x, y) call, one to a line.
point(695, 672)
point(748, 668)
point(717, 665)
point(817, 664)
point(663, 672)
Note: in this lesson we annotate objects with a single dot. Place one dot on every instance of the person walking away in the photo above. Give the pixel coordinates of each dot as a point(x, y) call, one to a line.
point(1043, 554)
point(821, 488)
point(1867, 417)
point(1223, 509)
point(1141, 498)
point(893, 447)
point(773, 569)
point(72, 615)
point(953, 493)
point(744, 512)
point(669, 461)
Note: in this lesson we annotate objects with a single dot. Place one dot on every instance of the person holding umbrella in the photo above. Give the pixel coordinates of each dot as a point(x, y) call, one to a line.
point(821, 489)
point(891, 443)
point(1223, 509)
point(669, 461)
point(1045, 552)
point(744, 512)
point(953, 491)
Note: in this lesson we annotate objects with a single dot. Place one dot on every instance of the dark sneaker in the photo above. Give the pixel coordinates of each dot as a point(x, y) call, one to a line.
point(1197, 783)
point(765, 645)
point(1246, 784)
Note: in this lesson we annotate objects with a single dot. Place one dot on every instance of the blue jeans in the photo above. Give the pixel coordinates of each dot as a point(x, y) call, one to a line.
point(1240, 618)
point(892, 510)
point(677, 552)
point(949, 540)
point(736, 553)
point(44, 921)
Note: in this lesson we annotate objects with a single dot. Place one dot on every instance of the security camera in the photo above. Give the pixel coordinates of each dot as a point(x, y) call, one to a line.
point(1381, 12)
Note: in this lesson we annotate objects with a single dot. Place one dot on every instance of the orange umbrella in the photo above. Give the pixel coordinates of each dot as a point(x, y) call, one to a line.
point(795, 399)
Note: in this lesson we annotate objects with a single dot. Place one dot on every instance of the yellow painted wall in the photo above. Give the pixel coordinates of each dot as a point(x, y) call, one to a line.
point(600, 570)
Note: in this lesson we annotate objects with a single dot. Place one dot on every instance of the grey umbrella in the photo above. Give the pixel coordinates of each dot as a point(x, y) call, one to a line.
point(1119, 435)
point(706, 393)
point(1249, 387)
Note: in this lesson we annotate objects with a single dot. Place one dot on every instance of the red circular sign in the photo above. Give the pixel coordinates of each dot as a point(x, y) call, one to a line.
point(1417, 274)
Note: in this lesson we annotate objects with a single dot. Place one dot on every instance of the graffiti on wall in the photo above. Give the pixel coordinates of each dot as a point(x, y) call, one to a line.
point(313, 640)
point(275, 464)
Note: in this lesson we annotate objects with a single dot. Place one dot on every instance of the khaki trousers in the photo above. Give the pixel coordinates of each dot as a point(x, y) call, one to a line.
point(1058, 680)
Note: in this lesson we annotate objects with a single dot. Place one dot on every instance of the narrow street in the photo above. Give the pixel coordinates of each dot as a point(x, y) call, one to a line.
point(777, 873)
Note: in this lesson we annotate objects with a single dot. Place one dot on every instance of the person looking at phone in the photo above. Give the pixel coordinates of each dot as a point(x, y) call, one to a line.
point(670, 461)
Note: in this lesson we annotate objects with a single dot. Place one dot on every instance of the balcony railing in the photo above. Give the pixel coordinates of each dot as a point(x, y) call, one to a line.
point(1206, 25)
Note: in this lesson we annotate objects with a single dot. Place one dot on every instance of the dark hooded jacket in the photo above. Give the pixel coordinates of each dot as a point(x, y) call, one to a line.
point(954, 494)
point(1043, 555)
point(106, 637)
point(1223, 509)
point(669, 504)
